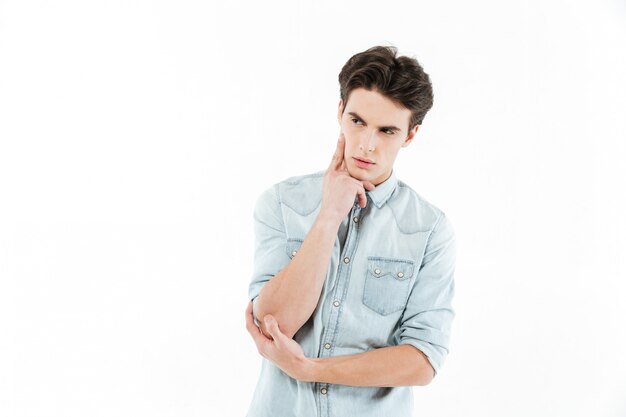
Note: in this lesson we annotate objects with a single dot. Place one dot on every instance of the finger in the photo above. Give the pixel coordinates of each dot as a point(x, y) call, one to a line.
point(260, 341)
point(368, 185)
point(250, 325)
point(338, 156)
point(254, 331)
point(343, 166)
point(272, 326)
point(362, 198)
point(249, 311)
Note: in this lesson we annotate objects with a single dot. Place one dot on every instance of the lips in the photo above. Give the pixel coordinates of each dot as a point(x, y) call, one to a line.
point(362, 164)
point(364, 160)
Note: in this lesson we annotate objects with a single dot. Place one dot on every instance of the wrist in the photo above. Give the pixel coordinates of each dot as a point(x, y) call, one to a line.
point(309, 370)
point(328, 221)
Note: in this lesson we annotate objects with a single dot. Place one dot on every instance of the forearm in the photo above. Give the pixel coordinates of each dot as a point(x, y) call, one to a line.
point(292, 295)
point(390, 366)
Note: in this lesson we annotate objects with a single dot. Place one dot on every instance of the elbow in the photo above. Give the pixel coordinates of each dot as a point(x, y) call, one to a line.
point(282, 326)
point(423, 380)
point(286, 327)
point(425, 376)
point(422, 370)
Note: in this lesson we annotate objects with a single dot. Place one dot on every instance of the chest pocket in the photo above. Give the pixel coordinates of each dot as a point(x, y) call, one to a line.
point(387, 283)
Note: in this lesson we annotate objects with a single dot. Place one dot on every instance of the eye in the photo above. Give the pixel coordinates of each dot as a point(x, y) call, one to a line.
point(355, 120)
point(389, 132)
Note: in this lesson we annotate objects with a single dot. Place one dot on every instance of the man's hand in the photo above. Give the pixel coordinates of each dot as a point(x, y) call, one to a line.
point(339, 188)
point(284, 352)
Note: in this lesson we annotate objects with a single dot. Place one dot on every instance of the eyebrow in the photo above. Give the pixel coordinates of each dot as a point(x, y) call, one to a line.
point(394, 128)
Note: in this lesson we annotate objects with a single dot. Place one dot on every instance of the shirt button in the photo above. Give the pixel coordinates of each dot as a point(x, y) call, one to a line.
point(323, 391)
point(356, 219)
point(346, 260)
point(377, 271)
point(336, 303)
point(400, 274)
point(294, 253)
point(327, 345)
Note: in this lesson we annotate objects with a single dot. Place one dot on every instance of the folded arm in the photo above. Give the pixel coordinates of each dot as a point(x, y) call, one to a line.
point(383, 367)
point(390, 366)
point(288, 289)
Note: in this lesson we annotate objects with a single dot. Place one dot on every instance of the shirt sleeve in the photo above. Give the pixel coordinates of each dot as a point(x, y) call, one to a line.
point(270, 254)
point(427, 319)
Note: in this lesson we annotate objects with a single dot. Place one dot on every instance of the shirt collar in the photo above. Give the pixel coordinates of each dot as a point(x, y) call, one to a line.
point(383, 191)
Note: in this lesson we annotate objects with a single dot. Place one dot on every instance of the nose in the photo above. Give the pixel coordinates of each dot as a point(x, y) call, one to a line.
point(368, 140)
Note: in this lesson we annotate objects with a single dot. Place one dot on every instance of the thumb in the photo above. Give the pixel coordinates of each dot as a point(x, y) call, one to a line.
point(272, 326)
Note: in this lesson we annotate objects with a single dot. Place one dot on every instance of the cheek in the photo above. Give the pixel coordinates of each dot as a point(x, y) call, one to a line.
point(353, 137)
point(349, 128)
point(350, 139)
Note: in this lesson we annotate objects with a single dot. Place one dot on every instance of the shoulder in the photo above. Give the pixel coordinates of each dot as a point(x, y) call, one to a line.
point(412, 211)
point(301, 193)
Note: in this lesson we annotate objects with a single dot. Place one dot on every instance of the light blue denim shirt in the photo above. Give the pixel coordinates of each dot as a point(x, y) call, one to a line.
point(390, 283)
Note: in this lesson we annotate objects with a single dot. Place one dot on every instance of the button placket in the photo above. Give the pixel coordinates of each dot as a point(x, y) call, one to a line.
point(342, 279)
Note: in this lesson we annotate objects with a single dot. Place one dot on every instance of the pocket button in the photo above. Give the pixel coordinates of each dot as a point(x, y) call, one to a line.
point(387, 284)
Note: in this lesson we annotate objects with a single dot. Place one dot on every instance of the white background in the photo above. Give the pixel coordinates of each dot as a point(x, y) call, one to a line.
point(136, 136)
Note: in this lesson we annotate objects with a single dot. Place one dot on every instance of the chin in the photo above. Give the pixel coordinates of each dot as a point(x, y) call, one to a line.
point(359, 175)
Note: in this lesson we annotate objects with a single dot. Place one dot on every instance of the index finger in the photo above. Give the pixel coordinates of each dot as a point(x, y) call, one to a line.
point(337, 160)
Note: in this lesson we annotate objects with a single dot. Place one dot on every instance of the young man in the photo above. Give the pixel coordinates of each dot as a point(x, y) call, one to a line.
point(353, 270)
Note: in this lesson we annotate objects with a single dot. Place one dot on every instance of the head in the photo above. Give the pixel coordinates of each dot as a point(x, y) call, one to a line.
point(384, 99)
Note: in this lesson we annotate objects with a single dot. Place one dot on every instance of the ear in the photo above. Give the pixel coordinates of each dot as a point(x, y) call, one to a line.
point(340, 111)
point(410, 136)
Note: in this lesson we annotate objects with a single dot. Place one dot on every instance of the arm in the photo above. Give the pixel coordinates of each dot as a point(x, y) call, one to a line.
point(292, 295)
point(425, 328)
point(390, 366)
point(427, 319)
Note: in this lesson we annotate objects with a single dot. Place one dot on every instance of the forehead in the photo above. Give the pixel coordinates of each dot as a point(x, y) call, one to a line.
point(376, 109)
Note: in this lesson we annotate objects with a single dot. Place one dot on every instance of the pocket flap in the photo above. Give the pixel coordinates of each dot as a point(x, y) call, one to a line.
point(400, 269)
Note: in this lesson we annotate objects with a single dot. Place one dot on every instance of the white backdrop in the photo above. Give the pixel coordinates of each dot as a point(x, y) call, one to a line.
point(136, 136)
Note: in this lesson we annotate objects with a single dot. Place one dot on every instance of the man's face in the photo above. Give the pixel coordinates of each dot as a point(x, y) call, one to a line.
point(368, 123)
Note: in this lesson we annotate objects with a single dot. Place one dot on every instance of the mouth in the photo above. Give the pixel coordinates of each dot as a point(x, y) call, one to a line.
point(362, 163)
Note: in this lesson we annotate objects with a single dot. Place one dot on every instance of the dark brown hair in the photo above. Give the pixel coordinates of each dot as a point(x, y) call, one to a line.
point(400, 78)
